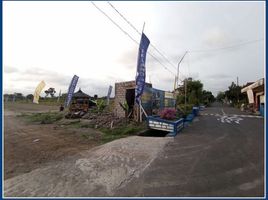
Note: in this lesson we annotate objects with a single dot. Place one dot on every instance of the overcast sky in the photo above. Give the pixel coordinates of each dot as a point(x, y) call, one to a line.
point(52, 41)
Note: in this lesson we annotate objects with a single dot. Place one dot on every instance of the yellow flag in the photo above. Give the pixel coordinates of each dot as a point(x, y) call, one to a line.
point(38, 90)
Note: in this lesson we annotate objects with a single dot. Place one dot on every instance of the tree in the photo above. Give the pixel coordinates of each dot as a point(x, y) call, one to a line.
point(207, 97)
point(234, 93)
point(63, 96)
point(19, 96)
point(195, 93)
point(29, 97)
point(50, 91)
point(220, 96)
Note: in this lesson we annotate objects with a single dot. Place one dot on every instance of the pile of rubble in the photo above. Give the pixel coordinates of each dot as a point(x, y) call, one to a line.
point(104, 120)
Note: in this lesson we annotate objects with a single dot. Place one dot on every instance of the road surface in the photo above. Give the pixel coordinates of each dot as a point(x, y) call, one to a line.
point(220, 154)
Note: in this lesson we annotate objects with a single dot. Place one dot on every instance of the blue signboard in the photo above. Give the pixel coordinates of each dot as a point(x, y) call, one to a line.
point(71, 90)
point(140, 76)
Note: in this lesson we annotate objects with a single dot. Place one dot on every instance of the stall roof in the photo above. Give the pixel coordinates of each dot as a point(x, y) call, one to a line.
point(80, 94)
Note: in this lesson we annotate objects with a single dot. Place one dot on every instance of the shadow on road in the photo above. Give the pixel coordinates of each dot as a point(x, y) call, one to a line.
point(153, 133)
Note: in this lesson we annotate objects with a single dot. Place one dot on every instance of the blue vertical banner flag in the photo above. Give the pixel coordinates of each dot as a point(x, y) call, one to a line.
point(141, 72)
point(71, 90)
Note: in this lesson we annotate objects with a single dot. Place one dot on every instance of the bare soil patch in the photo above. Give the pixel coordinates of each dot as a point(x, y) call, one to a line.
point(30, 146)
point(97, 172)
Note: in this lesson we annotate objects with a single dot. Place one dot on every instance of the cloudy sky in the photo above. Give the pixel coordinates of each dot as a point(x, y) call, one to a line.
point(52, 41)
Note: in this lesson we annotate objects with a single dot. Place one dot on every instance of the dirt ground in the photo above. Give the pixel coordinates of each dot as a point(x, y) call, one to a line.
point(58, 161)
point(96, 172)
point(28, 147)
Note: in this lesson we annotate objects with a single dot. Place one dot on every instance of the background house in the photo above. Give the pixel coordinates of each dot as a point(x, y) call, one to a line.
point(256, 96)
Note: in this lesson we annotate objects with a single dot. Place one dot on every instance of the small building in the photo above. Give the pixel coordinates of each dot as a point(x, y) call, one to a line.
point(80, 102)
point(152, 99)
point(256, 96)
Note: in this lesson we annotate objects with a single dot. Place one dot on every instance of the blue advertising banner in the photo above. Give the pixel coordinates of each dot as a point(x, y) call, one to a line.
point(140, 76)
point(71, 90)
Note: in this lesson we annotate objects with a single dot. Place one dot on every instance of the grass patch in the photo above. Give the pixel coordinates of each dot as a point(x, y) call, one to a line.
point(43, 118)
point(121, 132)
point(75, 124)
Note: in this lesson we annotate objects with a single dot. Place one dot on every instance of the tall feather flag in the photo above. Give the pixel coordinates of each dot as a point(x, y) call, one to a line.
point(37, 92)
point(59, 96)
point(141, 72)
point(109, 94)
point(71, 90)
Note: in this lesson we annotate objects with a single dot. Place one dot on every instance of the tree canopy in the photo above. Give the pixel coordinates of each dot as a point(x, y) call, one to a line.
point(194, 93)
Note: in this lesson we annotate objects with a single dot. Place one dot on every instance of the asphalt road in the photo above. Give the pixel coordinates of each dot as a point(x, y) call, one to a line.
point(221, 154)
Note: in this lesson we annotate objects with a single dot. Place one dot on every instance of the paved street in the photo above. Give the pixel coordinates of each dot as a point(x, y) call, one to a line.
point(220, 154)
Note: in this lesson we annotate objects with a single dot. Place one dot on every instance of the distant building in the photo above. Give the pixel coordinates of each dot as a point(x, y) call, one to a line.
point(255, 94)
point(152, 99)
point(81, 102)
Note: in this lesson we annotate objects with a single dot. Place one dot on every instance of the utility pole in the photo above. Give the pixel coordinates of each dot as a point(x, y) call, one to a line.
point(185, 92)
point(237, 89)
point(177, 79)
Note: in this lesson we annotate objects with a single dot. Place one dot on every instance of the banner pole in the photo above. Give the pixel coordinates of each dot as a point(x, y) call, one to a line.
point(143, 27)
point(140, 112)
point(144, 111)
point(140, 99)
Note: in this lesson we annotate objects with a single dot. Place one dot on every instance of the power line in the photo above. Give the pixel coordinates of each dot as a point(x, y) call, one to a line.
point(124, 18)
point(115, 23)
point(154, 47)
point(226, 47)
point(118, 26)
point(192, 51)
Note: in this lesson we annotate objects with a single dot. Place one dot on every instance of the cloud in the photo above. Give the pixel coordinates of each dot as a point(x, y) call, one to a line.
point(194, 75)
point(215, 36)
point(9, 69)
point(183, 26)
point(218, 76)
point(129, 58)
point(26, 81)
point(36, 74)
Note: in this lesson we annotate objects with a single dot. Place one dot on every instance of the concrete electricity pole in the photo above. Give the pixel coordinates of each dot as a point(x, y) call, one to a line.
point(177, 78)
point(176, 84)
point(237, 90)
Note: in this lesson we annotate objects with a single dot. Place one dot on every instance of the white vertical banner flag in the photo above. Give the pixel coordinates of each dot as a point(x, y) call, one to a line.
point(37, 92)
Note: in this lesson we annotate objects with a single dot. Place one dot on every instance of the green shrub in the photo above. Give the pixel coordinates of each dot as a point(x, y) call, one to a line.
point(100, 103)
point(189, 108)
point(120, 132)
point(45, 118)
